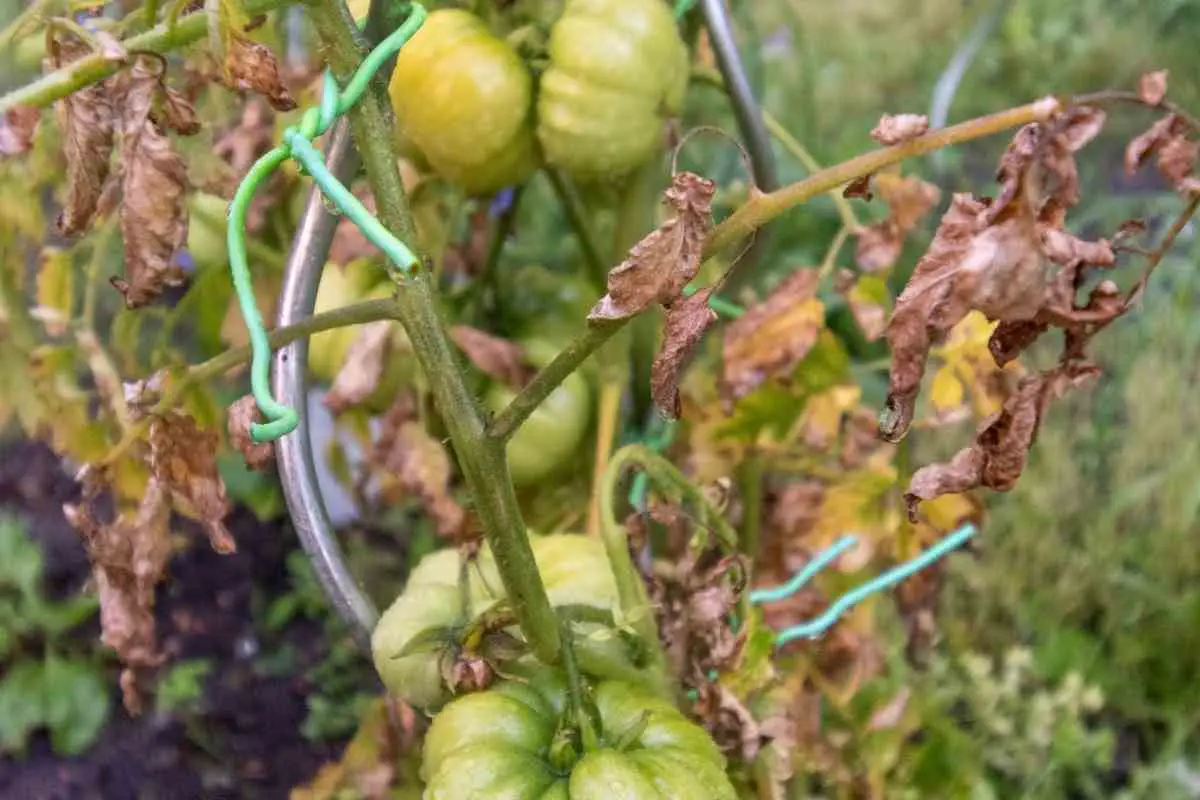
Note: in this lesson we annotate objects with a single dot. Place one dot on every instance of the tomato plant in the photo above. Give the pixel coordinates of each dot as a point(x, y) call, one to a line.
point(617, 69)
point(465, 100)
point(502, 743)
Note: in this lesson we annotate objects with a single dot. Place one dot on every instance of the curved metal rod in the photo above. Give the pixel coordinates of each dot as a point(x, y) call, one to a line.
point(294, 452)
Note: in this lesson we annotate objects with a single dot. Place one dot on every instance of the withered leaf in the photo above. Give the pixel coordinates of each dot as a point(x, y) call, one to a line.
point(897, 128)
point(1001, 448)
point(1010, 339)
point(154, 221)
point(909, 199)
point(241, 414)
point(128, 557)
point(422, 466)
point(1152, 87)
point(659, 266)
point(1166, 138)
point(363, 368)
point(177, 113)
point(860, 188)
point(495, 357)
point(250, 66)
point(86, 118)
point(772, 337)
point(869, 300)
point(687, 320)
point(183, 459)
point(17, 128)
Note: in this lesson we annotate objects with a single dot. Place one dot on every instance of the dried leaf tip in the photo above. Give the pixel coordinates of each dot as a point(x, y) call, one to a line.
point(657, 268)
point(896, 128)
point(687, 321)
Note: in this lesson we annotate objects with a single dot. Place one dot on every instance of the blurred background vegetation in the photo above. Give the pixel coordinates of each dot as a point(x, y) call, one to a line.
point(1071, 638)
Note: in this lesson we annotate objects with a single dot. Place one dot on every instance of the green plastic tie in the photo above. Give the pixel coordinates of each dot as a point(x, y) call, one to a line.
point(297, 145)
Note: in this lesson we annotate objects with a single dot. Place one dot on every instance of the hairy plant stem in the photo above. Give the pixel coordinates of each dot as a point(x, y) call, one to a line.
point(94, 67)
point(481, 458)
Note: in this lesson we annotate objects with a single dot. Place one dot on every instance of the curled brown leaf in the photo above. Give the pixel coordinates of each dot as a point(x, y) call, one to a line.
point(86, 118)
point(1166, 138)
point(909, 199)
point(241, 414)
point(1001, 448)
point(154, 217)
point(772, 337)
point(177, 113)
point(687, 321)
point(17, 128)
point(897, 128)
point(498, 358)
point(250, 66)
point(183, 459)
point(658, 267)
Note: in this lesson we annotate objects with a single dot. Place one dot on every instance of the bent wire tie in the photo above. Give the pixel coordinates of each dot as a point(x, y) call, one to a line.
point(297, 145)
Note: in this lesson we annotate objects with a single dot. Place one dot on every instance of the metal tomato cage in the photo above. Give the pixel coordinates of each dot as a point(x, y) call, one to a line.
point(294, 453)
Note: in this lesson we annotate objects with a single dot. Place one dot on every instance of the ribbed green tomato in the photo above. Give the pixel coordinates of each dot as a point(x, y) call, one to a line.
point(574, 568)
point(497, 745)
point(617, 70)
point(550, 438)
point(465, 99)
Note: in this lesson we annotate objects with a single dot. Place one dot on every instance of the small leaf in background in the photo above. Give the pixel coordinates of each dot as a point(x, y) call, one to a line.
point(56, 289)
point(422, 466)
point(243, 412)
point(86, 118)
point(183, 461)
point(17, 128)
point(363, 368)
point(947, 392)
point(687, 321)
point(1167, 139)
point(182, 687)
point(1152, 87)
point(897, 128)
point(77, 706)
point(20, 559)
point(998, 456)
point(755, 669)
point(772, 337)
point(154, 216)
point(890, 714)
point(870, 305)
point(659, 266)
point(495, 357)
point(128, 557)
point(23, 693)
point(908, 199)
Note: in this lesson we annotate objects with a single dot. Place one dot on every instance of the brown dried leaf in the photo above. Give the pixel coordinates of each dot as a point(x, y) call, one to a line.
point(860, 188)
point(897, 128)
point(868, 305)
point(1177, 159)
point(363, 368)
point(772, 337)
point(998, 456)
point(241, 414)
point(422, 466)
point(183, 459)
point(86, 118)
point(1169, 128)
point(154, 217)
point(176, 113)
point(250, 66)
point(17, 128)
point(909, 199)
point(665, 261)
point(1010, 339)
point(498, 358)
point(128, 557)
point(687, 320)
point(1152, 87)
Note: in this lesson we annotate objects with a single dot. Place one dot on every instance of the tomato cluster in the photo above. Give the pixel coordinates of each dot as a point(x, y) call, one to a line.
point(617, 69)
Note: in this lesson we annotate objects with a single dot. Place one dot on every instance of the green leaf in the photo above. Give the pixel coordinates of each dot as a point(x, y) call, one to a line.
point(22, 704)
point(20, 558)
point(77, 703)
point(58, 617)
point(183, 685)
point(756, 669)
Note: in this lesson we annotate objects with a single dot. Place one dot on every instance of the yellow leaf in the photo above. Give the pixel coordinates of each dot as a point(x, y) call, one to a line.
point(56, 289)
point(947, 392)
point(823, 413)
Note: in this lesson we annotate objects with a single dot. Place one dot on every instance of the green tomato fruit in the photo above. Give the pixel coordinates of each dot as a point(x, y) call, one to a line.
point(618, 69)
point(497, 744)
point(206, 230)
point(29, 51)
point(575, 571)
point(465, 99)
point(538, 301)
point(552, 435)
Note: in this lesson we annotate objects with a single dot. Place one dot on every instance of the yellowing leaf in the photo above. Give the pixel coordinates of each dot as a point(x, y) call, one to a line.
point(56, 289)
point(823, 413)
point(947, 392)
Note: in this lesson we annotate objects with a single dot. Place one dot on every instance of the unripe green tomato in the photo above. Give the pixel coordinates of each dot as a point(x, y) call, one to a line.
point(574, 569)
point(207, 228)
point(551, 437)
point(537, 301)
point(618, 69)
point(497, 744)
point(465, 100)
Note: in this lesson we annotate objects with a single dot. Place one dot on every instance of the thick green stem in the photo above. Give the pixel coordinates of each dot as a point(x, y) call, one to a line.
point(481, 458)
point(95, 67)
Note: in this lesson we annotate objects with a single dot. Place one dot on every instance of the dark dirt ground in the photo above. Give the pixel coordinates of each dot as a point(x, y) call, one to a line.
point(245, 740)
